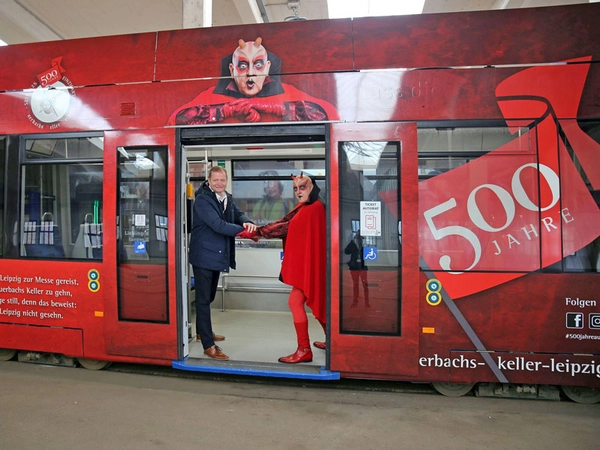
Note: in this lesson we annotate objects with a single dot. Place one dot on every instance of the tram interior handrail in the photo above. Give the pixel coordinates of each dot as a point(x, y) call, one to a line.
point(224, 285)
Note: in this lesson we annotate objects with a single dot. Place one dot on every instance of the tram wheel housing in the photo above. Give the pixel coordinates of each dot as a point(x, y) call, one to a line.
point(453, 389)
point(6, 354)
point(582, 394)
point(92, 364)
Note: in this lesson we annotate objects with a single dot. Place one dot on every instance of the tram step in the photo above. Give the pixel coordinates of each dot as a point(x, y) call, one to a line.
point(256, 369)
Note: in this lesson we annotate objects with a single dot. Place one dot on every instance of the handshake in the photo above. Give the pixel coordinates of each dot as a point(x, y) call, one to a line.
point(249, 235)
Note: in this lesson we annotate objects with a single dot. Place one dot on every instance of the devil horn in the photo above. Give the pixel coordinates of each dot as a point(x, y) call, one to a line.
point(242, 43)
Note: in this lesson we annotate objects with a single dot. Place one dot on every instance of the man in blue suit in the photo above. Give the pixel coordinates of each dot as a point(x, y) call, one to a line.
point(215, 223)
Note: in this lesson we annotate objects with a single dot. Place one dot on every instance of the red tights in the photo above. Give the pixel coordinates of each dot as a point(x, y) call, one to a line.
point(296, 302)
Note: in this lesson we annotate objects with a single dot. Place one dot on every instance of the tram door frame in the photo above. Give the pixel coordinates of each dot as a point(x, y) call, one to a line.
point(373, 353)
point(250, 135)
point(182, 244)
point(143, 339)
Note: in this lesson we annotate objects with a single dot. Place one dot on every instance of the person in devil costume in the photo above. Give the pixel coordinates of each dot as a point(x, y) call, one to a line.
point(304, 261)
point(250, 91)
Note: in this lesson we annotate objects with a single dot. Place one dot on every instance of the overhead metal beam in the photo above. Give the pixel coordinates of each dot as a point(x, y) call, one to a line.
point(197, 13)
point(249, 10)
point(263, 11)
point(500, 4)
point(22, 17)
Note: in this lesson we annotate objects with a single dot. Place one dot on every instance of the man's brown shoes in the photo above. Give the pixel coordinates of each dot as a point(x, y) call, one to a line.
point(216, 337)
point(215, 352)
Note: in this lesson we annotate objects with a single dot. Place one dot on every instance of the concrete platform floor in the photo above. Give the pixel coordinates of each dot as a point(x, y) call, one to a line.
point(43, 407)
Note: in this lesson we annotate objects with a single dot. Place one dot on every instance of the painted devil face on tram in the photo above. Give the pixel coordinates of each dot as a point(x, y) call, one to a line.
point(250, 67)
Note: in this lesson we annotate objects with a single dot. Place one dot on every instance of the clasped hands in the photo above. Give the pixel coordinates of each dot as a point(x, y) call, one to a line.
point(244, 109)
point(249, 110)
point(250, 232)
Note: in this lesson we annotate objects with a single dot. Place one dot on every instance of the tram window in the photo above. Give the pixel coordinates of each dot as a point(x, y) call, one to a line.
point(142, 204)
point(264, 188)
point(2, 177)
point(370, 275)
point(464, 139)
point(444, 149)
point(586, 259)
point(142, 218)
point(197, 171)
point(64, 148)
point(62, 199)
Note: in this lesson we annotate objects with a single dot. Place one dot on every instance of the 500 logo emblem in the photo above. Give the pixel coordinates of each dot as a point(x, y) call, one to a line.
point(475, 215)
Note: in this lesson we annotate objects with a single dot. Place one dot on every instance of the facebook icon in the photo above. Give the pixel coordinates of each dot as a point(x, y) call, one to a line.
point(574, 320)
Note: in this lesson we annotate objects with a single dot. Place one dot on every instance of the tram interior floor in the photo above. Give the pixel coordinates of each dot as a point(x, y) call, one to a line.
point(258, 336)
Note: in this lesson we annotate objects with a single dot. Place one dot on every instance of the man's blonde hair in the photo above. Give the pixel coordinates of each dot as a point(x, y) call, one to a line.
point(215, 169)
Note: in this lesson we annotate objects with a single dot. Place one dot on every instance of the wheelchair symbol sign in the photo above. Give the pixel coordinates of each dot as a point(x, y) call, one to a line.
point(369, 253)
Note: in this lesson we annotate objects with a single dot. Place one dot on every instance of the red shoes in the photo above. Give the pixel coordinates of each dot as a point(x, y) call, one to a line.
point(320, 344)
point(301, 355)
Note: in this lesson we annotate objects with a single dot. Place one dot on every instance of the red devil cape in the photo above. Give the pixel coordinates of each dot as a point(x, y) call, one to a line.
point(304, 260)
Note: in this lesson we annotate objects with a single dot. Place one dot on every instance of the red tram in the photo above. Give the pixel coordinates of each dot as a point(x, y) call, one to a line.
point(459, 154)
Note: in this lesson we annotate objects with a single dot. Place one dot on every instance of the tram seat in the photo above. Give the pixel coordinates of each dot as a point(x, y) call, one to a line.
point(88, 244)
point(43, 240)
point(586, 259)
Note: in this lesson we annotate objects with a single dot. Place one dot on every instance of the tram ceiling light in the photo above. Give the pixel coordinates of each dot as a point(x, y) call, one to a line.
point(294, 6)
point(123, 152)
point(364, 155)
point(143, 163)
point(262, 146)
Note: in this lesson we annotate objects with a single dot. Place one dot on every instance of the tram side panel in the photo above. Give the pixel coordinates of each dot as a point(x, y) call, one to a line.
point(315, 46)
point(476, 38)
point(510, 246)
point(46, 307)
point(65, 295)
point(79, 62)
point(525, 331)
point(494, 234)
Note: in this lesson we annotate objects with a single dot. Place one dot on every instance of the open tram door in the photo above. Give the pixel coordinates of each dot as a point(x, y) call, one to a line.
point(374, 255)
point(251, 307)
